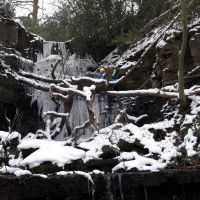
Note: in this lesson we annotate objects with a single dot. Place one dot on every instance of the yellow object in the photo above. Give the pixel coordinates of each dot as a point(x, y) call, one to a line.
point(102, 70)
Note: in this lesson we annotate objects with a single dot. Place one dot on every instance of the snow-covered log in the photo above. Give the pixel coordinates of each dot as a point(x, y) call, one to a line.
point(148, 92)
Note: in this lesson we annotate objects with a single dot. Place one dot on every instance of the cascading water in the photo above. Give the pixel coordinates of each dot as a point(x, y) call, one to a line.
point(71, 65)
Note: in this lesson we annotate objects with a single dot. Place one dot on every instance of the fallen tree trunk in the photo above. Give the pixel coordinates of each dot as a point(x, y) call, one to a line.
point(147, 93)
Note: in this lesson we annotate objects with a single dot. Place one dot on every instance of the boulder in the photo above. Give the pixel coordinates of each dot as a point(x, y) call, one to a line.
point(109, 152)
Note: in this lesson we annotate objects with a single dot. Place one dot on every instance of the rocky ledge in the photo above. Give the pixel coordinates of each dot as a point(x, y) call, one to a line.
point(165, 185)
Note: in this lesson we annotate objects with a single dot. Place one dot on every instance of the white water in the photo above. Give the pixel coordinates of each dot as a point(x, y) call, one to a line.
point(71, 65)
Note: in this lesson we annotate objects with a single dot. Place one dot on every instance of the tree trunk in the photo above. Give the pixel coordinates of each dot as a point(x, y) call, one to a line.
point(184, 9)
point(35, 14)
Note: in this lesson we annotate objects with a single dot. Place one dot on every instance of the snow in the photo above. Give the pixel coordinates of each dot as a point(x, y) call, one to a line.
point(124, 61)
point(6, 136)
point(94, 147)
point(96, 172)
point(190, 141)
point(161, 43)
point(189, 119)
point(15, 171)
point(41, 175)
point(50, 151)
point(130, 133)
point(159, 153)
point(139, 162)
point(39, 143)
point(21, 172)
point(86, 175)
point(195, 105)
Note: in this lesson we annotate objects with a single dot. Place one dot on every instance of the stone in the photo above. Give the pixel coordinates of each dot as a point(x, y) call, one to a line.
point(159, 134)
point(105, 165)
point(27, 152)
point(165, 185)
point(13, 61)
point(109, 152)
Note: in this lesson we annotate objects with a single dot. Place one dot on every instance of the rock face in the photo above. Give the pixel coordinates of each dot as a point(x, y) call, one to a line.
point(160, 65)
point(138, 186)
point(15, 45)
point(13, 35)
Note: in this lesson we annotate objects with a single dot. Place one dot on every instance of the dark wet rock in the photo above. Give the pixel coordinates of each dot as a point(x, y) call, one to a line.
point(71, 187)
point(76, 165)
point(50, 168)
point(13, 35)
point(129, 147)
point(15, 42)
point(13, 61)
point(125, 146)
point(168, 185)
point(159, 134)
point(150, 106)
point(27, 152)
point(18, 107)
point(105, 165)
point(109, 152)
point(45, 168)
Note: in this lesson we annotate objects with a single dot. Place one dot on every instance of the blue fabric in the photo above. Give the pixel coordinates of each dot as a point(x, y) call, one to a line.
point(101, 75)
point(112, 78)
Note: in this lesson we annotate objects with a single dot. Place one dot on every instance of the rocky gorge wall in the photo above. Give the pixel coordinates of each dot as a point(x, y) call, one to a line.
point(15, 45)
point(159, 67)
point(168, 185)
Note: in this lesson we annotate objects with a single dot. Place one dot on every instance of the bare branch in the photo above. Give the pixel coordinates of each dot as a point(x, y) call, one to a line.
point(54, 68)
point(39, 77)
point(89, 122)
point(56, 114)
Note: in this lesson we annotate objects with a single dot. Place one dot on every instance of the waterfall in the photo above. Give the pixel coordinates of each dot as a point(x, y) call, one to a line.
point(71, 65)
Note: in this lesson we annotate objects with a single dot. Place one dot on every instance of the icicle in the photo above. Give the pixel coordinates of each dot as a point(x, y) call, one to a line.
point(70, 65)
point(91, 189)
point(120, 186)
point(108, 186)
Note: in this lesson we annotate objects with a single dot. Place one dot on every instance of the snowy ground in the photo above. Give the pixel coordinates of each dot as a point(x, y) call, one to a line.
point(159, 152)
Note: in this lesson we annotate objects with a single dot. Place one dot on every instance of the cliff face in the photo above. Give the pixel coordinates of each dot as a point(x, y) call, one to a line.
point(13, 35)
point(160, 65)
point(15, 45)
point(137, 186)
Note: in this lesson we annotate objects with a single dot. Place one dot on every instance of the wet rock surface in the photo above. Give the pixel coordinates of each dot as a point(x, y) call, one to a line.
point(168, 185)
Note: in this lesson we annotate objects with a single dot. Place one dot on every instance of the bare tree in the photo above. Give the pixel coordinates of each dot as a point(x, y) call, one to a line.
point(35, 13)
point(184, 11)
point(32, 6)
